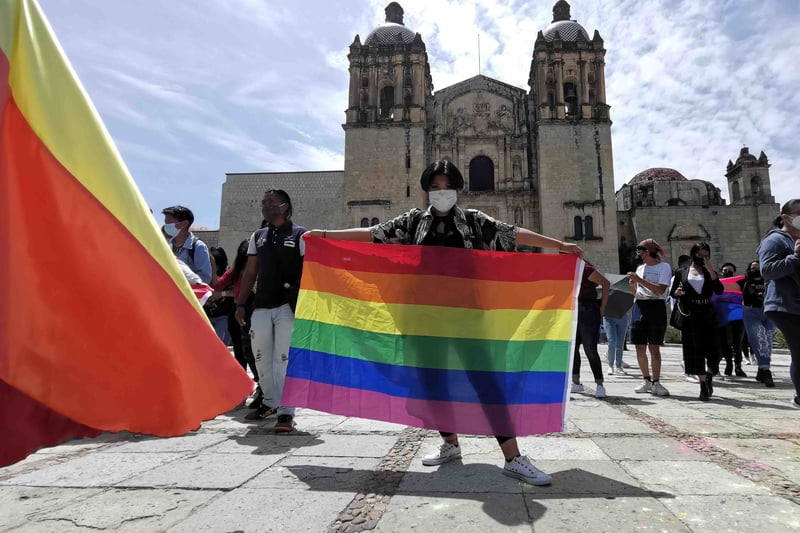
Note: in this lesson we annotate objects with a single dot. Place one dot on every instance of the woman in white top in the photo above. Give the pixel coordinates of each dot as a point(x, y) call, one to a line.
point(693, 287)
point(649, 318)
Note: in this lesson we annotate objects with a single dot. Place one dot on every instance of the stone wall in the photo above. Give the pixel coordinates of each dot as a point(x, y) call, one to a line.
point(317, 198)
point(576, 179)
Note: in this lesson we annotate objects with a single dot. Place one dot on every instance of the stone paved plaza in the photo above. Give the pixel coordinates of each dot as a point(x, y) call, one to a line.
point(626, 463)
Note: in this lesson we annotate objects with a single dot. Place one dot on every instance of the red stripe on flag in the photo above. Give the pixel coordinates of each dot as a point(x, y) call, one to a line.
point(439, 261)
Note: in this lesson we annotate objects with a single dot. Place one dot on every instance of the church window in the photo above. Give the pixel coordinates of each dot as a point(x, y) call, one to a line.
point(365, 222)
point(755, 186)
point(577, 222)
point(386, 102)
point(518, 216)
point(374, 221)
point(365, 81)
point(481, 174)
point(735, 191)
point(571, 99)
point(588, 225)
point(551, 98)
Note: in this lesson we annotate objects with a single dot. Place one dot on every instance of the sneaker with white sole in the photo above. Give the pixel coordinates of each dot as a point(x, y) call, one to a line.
point(576, 388)
point(659, 389)
point(691, 378)
point(521, 468)
point(645, 387)
point(447, 452)
point(600, 391)
point(611, 371)
point(620, 372)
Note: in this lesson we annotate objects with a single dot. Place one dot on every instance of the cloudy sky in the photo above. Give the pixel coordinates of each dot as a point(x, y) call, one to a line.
point(193, 89)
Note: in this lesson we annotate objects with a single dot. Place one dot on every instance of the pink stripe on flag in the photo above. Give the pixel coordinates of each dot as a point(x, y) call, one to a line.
point(456, 417)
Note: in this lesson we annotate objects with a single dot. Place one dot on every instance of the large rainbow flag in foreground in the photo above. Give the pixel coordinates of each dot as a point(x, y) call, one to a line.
point(456, 340)
point(99, 329)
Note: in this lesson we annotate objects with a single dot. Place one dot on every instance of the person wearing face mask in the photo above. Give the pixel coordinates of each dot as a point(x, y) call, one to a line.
point(649, 284)
point(185, 245)
point(274, 257)
point(779, 257)
point(730, 332)
point(446, 224)
point(693, 286)
point(760, 329)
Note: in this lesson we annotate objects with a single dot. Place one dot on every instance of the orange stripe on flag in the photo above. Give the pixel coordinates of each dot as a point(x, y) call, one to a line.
point(95, 328)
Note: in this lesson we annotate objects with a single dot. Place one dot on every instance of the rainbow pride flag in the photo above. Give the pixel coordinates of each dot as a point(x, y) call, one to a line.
point(451, 339)
point(99, 329)
point(728, 305)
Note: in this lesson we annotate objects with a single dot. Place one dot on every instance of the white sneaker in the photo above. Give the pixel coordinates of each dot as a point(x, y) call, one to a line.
point(447, 452)
point(576, 388)
point(522, 469)
point(646, 386)
point(611, 371)
point(691, 379)
point(659, 389)
point(620, 372)
point(625, 365)
point(600, 391)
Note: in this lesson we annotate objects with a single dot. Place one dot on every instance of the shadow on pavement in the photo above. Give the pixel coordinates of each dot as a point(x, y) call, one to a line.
point(469, 482)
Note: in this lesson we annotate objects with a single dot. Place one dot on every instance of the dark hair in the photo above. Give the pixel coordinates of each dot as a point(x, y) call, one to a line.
point(684, 260)
point(787, 209)
point(699, 245)
point(284, 196)
point(728, 264)
point(220, 259)
point(180, 213)
point(445, 168)
point(241, 259)
point(750, 266)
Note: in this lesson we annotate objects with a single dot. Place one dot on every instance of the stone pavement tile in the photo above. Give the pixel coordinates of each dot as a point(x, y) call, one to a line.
point(93, 443)
point(349, 446)
point(487, 512)
point(267, 510)
point(94, 470)
point(673, 409)
point(612, 425)
point(19, 505)
point(620, 514)
point(125, 510)
point(589, 407)
point(219, 471)
point(362, 425)
point(316, 473)
point(603, 479)
point(770, 451)
point(736, 513)
point(148, 444)
point(549, 448)
point(474, 473)
point(647, 449)
point(771, 425)
point(705, 426)
point(262, 444)
point(690, 478)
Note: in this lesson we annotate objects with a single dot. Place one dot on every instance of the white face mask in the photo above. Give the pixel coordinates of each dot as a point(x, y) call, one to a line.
point(171, 229)
point(443, 200)
point(796, 222)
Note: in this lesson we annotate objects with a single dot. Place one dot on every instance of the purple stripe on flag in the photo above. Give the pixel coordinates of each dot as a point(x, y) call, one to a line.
point(456, 417)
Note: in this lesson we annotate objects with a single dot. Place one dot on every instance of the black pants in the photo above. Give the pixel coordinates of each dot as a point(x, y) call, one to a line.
point(240, 338)
point(588, 334)
point(500, 440)
point(731, 336)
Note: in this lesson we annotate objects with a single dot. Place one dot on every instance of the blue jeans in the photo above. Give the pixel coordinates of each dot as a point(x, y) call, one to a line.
point(760, 331)
point(615, 331)
point(790, 327)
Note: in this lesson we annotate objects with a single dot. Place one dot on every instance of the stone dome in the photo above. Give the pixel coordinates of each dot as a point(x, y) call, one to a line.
point(390, 33)
point(657, 174)
point(568, 30)
point(393, 31)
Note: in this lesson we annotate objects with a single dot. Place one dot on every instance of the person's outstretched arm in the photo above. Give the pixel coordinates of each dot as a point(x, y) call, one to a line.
point(531, 238)
point(351, 234)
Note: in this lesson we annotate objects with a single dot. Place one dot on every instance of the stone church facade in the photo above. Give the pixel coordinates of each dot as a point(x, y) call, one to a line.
point(539, 157)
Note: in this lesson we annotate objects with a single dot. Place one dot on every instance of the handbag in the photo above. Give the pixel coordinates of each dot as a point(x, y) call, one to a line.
point(678, 317)
point(224, 306)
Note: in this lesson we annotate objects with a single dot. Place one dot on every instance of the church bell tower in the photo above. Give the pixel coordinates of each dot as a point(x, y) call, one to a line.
point(573, 138)
point(748, 179)
point(390, 82)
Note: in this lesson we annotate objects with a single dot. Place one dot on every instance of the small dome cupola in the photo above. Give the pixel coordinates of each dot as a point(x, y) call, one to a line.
point(393, 31)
